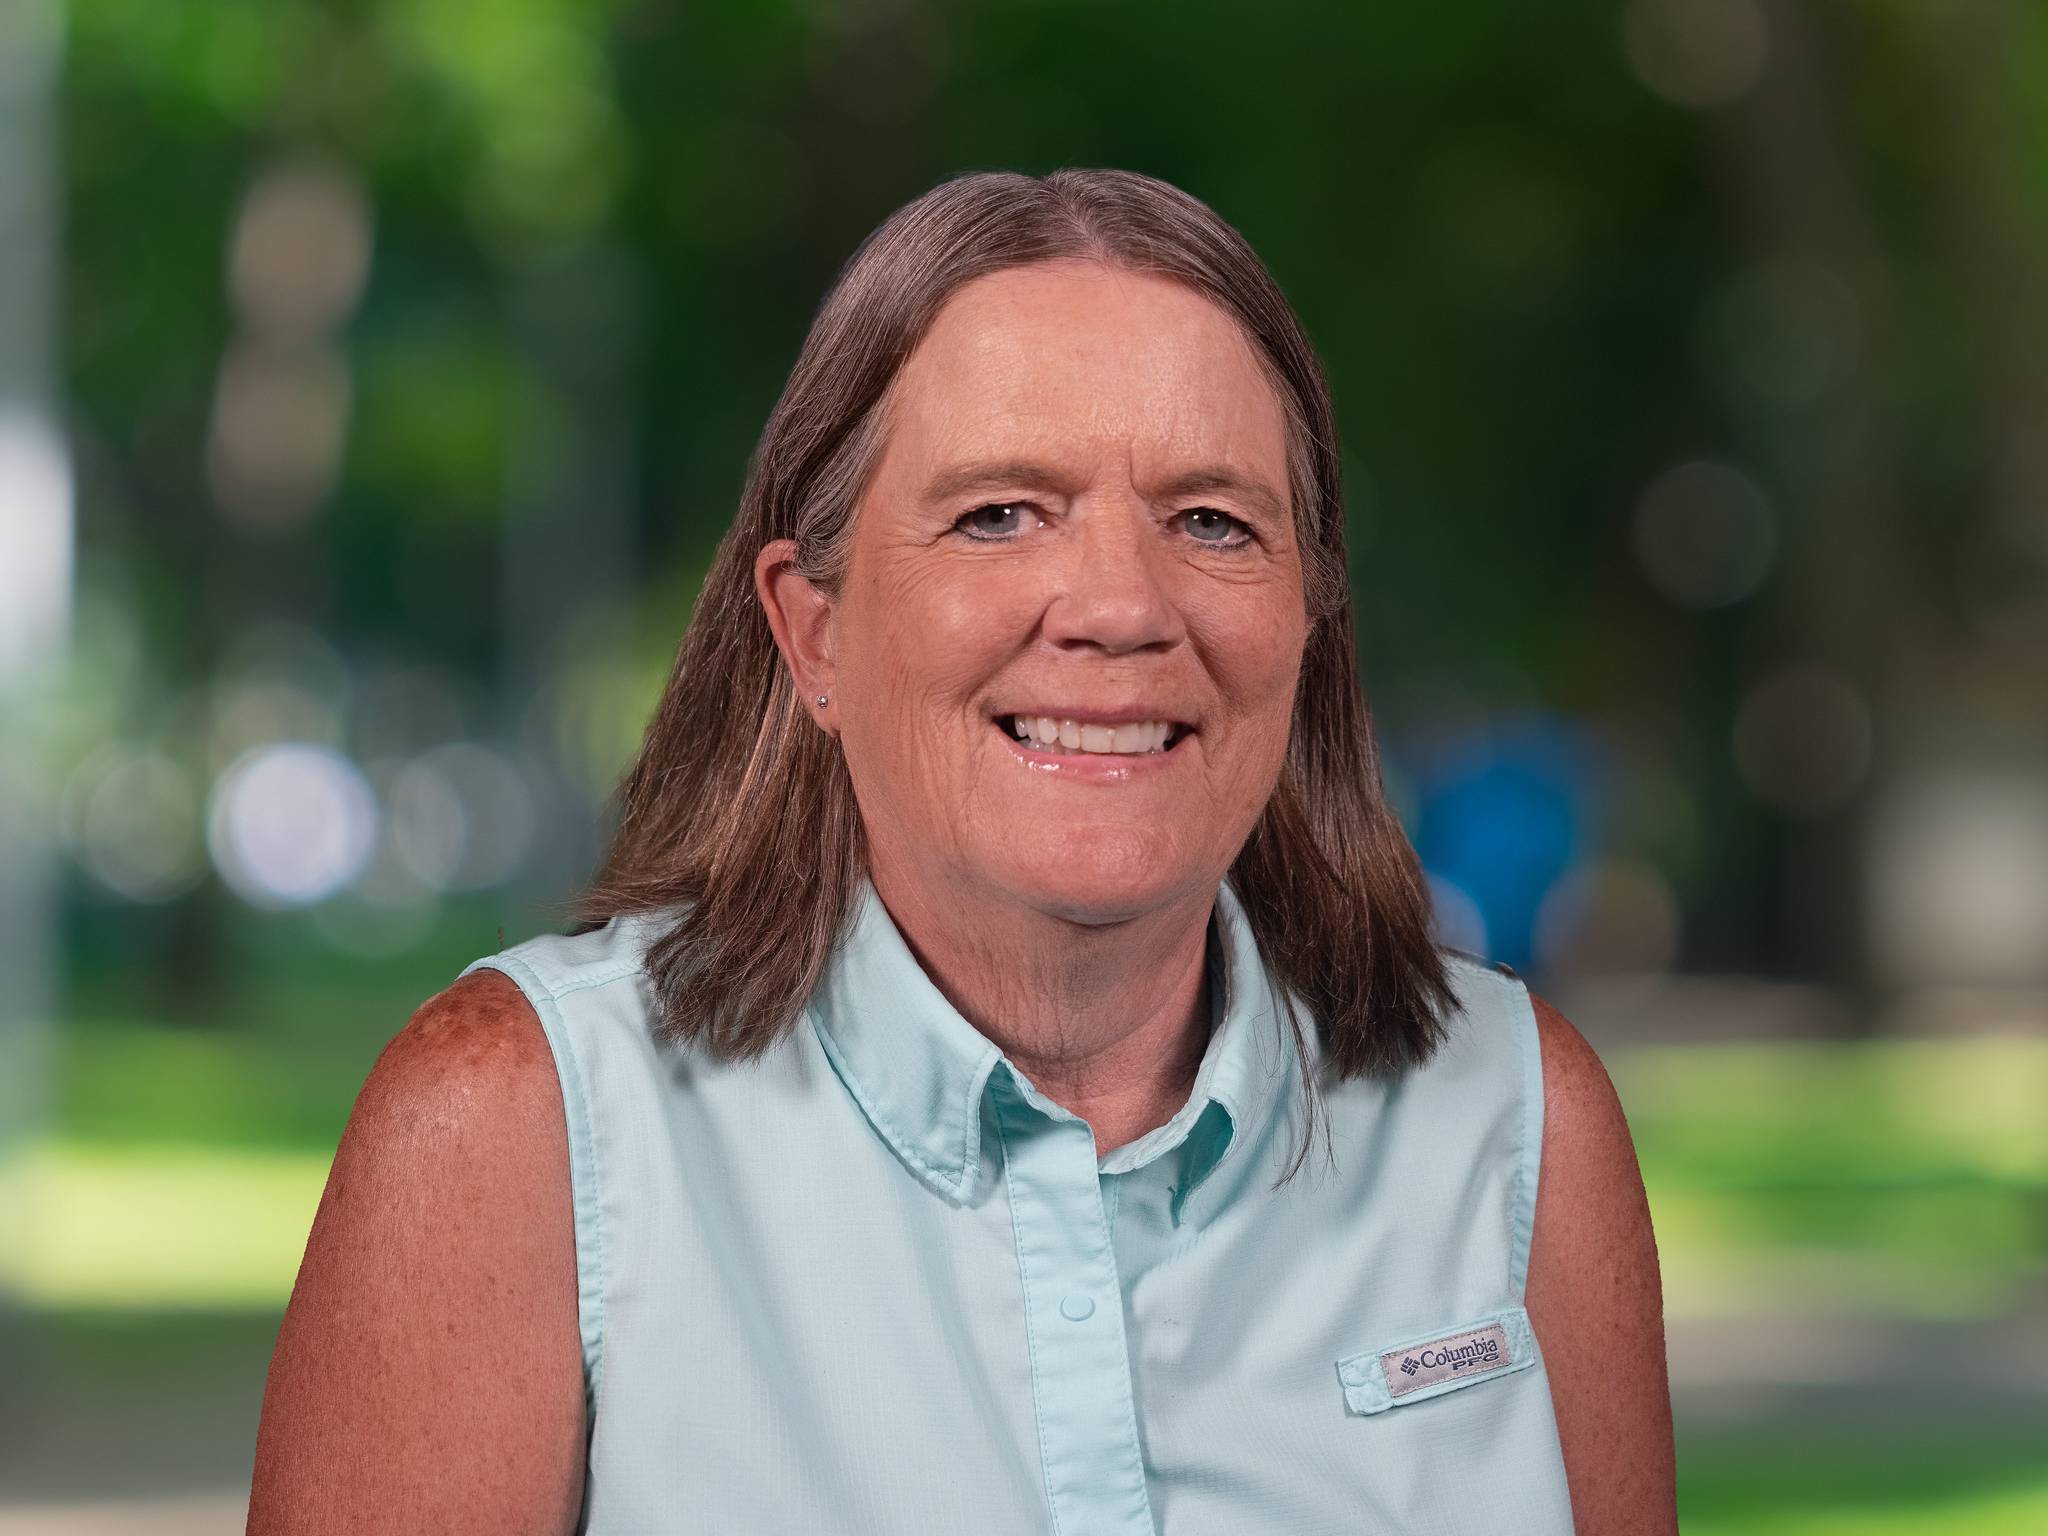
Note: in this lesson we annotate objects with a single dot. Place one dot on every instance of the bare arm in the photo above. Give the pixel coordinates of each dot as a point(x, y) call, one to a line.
point(1595, 1298)
point(428, 1375)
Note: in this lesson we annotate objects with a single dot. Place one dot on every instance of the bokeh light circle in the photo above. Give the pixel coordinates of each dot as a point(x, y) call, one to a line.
point(291, 823)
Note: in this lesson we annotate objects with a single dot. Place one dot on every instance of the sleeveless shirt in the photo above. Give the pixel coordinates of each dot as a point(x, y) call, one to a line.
point(876, 1282)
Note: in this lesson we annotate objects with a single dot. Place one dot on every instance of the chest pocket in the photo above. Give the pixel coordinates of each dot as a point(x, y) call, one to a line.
point(1429, 1365)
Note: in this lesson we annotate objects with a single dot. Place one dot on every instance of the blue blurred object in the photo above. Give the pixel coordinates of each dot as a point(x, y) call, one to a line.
point(1502, 813)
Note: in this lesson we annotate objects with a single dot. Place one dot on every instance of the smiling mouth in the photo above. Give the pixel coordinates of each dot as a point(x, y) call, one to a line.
point(1073, 739)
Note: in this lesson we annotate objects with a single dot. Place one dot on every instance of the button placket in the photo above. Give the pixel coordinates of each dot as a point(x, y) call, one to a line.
point(1080, 1362)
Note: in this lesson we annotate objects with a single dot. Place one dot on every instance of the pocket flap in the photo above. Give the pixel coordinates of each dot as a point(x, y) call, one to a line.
point(1498, 1344)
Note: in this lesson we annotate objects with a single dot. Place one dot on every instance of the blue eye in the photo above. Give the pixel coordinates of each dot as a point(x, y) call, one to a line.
point(966, 520)
point(1223, 524)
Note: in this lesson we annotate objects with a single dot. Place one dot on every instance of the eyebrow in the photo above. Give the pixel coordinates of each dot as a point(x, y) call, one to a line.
point(991, 474)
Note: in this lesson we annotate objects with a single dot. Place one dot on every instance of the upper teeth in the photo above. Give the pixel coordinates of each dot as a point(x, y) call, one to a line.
point(1136, 736)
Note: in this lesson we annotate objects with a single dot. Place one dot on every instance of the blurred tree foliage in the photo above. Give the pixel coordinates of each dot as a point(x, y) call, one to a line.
point(1539, 273)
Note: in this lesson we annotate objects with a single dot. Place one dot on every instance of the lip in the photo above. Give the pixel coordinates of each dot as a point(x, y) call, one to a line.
point(1094, 767)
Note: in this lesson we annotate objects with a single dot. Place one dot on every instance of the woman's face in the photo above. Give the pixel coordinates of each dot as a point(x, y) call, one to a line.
point(1081, 513)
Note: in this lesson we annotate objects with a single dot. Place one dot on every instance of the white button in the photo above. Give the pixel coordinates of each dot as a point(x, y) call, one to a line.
point(1077, 1306)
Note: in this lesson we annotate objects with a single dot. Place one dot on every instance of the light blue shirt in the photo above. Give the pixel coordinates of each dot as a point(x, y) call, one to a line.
point(876, 1282)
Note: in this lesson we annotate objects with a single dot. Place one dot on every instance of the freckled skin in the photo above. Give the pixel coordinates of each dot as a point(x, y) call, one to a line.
point(1066, 919)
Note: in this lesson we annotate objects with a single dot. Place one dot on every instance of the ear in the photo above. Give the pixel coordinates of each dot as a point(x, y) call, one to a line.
point(801, 616)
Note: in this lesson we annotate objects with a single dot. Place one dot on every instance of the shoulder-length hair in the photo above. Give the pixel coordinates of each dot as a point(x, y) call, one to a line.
point(739, 810)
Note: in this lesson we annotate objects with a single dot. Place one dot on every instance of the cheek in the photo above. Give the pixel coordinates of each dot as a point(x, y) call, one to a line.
point(961, 602)
point(1257, 669)
point(1253, 639)
point(937, 630)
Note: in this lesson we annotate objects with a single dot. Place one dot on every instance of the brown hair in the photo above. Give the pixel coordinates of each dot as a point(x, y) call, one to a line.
point(739, 809)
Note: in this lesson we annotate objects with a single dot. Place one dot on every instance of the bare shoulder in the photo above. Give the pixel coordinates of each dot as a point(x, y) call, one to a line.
point(428, 1374)
point(474, 1048)
point(1595, 1296)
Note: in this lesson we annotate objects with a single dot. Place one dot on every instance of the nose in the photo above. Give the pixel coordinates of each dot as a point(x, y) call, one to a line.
point(1114, 590)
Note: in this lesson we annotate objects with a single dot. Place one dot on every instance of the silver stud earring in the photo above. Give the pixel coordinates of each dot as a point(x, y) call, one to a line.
point(822, 700)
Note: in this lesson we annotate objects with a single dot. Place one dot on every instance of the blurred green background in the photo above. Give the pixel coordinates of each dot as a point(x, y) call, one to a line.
point(376, 378)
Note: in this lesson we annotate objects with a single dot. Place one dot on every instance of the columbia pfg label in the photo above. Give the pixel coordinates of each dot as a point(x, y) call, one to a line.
point(1455, 1355)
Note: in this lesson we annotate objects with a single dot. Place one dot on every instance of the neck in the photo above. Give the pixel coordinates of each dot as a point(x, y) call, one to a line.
point(1108, 1020)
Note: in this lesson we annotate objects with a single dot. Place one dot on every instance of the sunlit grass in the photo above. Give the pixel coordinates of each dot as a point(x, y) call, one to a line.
point(2022, 1512)
point(1985, 1483)
point(1900, 1179)
point(1889, 1177)
point(1755, 1113)
point(1930, 1254)
point(164, 1227)
point(1882, 1178)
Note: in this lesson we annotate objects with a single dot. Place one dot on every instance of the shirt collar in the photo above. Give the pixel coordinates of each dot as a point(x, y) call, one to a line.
point(920, 1071)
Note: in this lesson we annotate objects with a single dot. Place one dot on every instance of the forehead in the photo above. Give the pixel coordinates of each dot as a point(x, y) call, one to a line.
point(1072, 358)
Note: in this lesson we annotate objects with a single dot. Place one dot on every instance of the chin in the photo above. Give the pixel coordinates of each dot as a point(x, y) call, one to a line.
point(1089, 883)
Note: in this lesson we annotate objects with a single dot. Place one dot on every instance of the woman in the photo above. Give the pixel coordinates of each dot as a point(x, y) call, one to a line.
point(913, 1134)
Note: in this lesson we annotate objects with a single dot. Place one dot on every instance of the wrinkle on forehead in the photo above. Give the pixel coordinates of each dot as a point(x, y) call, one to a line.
point(1136, 373)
